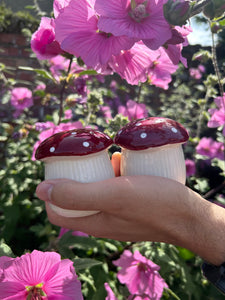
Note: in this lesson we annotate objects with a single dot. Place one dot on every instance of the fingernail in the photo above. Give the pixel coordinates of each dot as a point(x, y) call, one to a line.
point(44, 191)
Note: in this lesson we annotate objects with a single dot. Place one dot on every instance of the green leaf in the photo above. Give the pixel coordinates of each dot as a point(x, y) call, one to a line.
point(5, 250)
point(30, 6)
point(85, 263)
point(185, 253)
point(100, 293)
point(45, 74)
point(222, 22)
point(69, 242)
point(88, 72)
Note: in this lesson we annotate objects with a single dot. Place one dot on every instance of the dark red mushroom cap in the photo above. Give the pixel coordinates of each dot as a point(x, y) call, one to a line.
point(76, 142)
point(151, 132)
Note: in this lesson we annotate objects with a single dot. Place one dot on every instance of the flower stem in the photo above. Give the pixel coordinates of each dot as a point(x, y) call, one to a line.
point(215, 65)
point(173, 294)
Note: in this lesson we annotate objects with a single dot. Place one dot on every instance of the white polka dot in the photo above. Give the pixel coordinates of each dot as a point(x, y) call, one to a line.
point(52, 149)
point(86, 144)
point(174, 130)
point(158, 121)
point(143, 135)
point(138, 124)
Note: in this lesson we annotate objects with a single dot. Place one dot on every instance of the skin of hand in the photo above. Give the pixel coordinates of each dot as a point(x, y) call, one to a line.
point(140, 208)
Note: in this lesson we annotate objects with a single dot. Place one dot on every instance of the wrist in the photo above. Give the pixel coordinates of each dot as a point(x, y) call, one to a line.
point(211, 236)
point(201, 228)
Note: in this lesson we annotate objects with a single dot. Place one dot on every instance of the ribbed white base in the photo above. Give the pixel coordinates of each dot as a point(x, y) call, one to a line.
point(88, 168)
point(165, 161)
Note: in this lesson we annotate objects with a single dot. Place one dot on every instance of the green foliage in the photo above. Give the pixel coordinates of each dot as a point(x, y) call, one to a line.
point(20, 210)
point(11, 22)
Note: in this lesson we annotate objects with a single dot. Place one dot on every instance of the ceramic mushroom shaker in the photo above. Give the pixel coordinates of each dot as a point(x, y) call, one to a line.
point(79, 154)
point(153, 146)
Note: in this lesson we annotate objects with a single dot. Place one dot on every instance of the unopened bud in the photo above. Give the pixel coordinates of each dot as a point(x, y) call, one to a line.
point(202, 56)
point(176, 12)
point(214, 9)
point(216, 27)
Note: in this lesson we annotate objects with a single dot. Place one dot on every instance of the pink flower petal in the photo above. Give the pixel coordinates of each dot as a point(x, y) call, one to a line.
point(63, 282)
point(30, 269)
point(133, 64)
point(95, 48)
point(43, 41)
point(112, 8)
point(12, 291)
point(110, 294)
point(59, 5)
point(77, 16)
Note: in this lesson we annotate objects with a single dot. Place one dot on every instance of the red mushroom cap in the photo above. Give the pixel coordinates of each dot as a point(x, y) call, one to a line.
point(151, 132)
point(76, 142)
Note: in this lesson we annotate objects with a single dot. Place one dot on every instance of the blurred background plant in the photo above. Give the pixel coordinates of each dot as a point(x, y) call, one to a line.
point(65, 94)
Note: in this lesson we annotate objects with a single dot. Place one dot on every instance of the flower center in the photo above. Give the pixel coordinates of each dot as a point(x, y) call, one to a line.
point(142, 267)
point(21, 100)
point(105, 34)
point(138, 11)
point(35, 292)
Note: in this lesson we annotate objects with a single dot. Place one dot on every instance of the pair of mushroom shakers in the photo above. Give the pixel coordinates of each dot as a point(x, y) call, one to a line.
point(150, 146)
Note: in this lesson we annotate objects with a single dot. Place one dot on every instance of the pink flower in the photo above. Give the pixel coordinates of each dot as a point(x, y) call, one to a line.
point(140, 64)
point(21, 98)
point(68, 114)
point(41, 126)
point(78, 34)
point(195, 73)
point(43, 41)
point(174, 45)
point(210, 148)
point(142, 297)
point(40, 87)
point(140, 275)
point(39, 275)
point(218, 114)
point(201, 68)
point(138, 19)
point(159, 73)
point(106, 111)
point(110, 294)
point(133, 64)
point(133, 110)
point(74, 233)
point(190, 167)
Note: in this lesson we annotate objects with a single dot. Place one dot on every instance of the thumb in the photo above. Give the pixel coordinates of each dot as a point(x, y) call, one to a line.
point(70, 194)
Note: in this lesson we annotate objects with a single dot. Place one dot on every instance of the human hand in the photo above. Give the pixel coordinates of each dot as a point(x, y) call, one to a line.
point(139, 208)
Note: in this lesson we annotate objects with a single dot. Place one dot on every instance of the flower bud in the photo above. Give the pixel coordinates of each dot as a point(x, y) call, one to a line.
point(214, 9)
point(216, 27)
point(176, 12)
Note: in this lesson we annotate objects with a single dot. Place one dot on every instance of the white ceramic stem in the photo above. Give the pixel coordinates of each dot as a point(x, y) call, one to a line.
point(87, 168)
point(166, 161)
